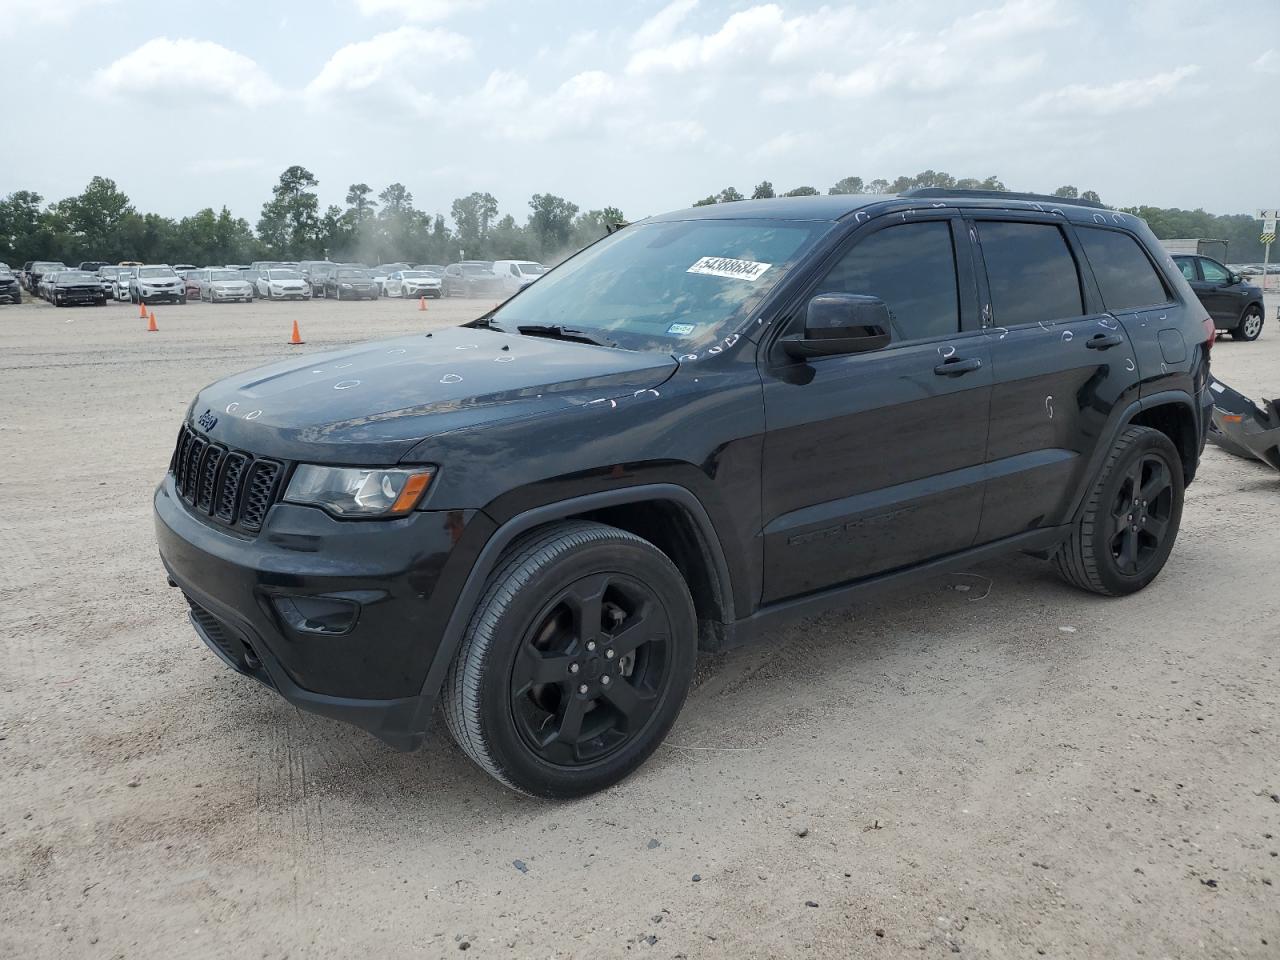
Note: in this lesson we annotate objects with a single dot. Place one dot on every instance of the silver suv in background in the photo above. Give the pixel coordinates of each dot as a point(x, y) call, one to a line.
point(155, 283)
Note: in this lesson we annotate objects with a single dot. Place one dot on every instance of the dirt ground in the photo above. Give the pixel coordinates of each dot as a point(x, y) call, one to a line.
point(993, 765)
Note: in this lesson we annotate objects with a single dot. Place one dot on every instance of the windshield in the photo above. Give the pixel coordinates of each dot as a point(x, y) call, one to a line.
point(674, 287)
point(155, 272)
point(435, 271)
point(531, 269)
point(415, 274)
point(476, 269)
point(48, 266)
point(284, 275)
point(76, 276)
point(353, 275)
point(225, 275)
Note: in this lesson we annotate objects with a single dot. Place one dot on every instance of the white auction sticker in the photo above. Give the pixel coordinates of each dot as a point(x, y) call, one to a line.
point(747, 270)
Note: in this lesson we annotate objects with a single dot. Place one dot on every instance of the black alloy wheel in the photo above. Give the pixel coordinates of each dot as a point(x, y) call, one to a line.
point(576, 662)
point(1140, 515)
point(590, 668)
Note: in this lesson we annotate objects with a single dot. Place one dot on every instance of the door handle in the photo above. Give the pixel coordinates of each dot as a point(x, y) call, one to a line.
point(1104, 341)
point(955, 366)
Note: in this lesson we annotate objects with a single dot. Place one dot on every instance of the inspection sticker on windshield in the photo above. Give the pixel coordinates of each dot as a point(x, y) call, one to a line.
point(747, 270)
point(681, 329)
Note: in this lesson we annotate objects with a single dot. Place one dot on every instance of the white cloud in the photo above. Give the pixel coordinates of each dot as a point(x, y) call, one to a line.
point(419, 10)
point(745, 34)
point(1112, 98)
point(508, 108)
point(658, 28)
point(1269, 62)
point(390, 65)
point(47, 11)
point(166, 70)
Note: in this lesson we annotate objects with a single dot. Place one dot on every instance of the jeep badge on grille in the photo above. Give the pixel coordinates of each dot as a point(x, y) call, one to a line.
point(207, 421)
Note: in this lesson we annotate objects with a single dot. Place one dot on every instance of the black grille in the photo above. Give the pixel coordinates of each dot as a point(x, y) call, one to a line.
point(259, 493)
point(229, 486)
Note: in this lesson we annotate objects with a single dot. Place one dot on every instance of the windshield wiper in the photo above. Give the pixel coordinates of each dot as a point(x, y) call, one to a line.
point(484, 323)
point(557, 332)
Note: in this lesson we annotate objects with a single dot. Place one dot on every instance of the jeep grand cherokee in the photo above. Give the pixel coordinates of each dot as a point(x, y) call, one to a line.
point(700, 427)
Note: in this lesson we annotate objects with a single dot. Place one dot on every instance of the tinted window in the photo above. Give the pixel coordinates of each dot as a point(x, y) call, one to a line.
point(1188, 268)
point(1124, 273)
point(912, 268)
point(1213, 271)
point(1030, 271)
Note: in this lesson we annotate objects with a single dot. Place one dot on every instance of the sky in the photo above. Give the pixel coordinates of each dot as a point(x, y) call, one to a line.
point(645, 105)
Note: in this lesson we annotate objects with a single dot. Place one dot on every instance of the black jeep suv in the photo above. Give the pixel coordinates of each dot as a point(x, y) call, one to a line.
point(703, 425)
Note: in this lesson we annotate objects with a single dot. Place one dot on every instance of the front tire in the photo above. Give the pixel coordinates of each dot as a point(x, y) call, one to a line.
point(1250, 327)
point(576, 662)
point(1127, 527)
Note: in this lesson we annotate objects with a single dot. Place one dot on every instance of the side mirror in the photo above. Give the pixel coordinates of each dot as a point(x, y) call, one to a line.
point(1234, 279)
point(839, 323)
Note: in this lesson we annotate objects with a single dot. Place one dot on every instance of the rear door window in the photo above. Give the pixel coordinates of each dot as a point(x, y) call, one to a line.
point(1213, 271)
point(912, 268)
point(1030, 272)
point(1126, 277)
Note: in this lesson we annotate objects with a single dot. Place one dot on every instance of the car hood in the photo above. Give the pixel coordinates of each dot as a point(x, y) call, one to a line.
point(372, 403)
point(228, 283)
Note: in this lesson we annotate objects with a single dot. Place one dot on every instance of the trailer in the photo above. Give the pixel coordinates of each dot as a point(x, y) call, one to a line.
point(1203, 246)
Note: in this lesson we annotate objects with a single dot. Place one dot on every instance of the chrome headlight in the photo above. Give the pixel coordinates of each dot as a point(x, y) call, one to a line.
point(359, 491)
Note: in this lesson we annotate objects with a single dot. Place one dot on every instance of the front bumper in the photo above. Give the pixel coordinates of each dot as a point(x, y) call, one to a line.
point(304, 294)
point(155, 296)
point(422, 291)
point(397, 575)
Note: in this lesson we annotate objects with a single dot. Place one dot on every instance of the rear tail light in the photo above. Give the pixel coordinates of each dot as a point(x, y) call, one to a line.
point(1210, 333)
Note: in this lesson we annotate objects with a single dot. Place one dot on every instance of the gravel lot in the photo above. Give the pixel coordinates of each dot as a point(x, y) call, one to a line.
point(992, 764)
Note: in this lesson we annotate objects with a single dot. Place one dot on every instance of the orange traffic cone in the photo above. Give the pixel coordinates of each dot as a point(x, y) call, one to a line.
point(422, 303)
point(142, 310)
point(296, 339)
point(151, 325)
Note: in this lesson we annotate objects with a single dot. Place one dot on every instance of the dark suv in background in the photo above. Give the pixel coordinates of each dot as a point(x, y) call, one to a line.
point(1234, 304)
point(701, 427)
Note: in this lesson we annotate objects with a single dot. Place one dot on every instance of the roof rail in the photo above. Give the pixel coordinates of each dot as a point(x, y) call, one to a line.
point(1001, 195)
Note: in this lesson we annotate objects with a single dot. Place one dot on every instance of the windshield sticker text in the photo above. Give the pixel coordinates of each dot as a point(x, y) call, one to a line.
point(681, 329)
point(747, 270)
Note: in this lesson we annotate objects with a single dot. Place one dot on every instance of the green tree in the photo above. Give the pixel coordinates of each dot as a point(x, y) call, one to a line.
point(290, 221)
point(359, 204)
point(473, 216)
point(706, 201)
point(23, 231)
point(801, 192)
point(551, 223)
point(1091, 195)
point(763, 191)
point(729, 195)
point(1067, 193)
point(847, 185)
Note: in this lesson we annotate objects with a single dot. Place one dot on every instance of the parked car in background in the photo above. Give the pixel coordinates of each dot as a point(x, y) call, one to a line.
point(157, 283)
point(71, 287)
point(384, 270)
point(260, 265)
point(122, 281)
point(350, 283)
point(250, 276)
point(515, 275)
point(309, 270)
point(129, 263)
point(1235, 305)
point(107, 277)
point(92, 266)
point(10, 288)
point(471, 278)
point(37, 271)
point(412, 283)
point(190, 280)
point(220, 285)
point(45, 285)
point(282, 283)
point(317, 275)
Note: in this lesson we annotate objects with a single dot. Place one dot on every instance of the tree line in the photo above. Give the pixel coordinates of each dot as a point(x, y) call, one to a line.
point(101, 223)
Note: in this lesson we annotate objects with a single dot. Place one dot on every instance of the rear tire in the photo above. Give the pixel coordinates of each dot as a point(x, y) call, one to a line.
point(1250, 327)
point(576, 662)
point(1126, 529)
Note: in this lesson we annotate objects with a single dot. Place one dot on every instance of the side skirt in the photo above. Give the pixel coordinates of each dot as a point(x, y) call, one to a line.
point(777, 615)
